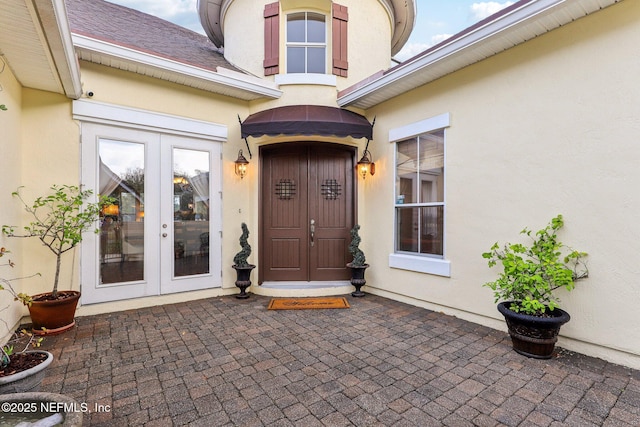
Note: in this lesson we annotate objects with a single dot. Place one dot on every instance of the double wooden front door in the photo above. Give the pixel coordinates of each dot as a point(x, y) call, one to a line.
point(307, 211)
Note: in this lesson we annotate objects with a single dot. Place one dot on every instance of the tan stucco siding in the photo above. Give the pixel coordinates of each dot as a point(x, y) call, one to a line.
point(369, 36)
point(10, 165)
point(545, 128)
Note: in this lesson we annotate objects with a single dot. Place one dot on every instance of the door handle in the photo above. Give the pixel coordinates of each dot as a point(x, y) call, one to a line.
point(312, 228)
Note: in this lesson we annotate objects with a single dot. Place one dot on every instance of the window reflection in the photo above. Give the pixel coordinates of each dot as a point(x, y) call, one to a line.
point(190, 212)
point(420, 194)
point(122, 177)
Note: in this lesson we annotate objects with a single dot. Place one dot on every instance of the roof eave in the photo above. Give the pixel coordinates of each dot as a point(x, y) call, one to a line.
point(522, 22)
point(233, 84)
point(37, 45)
point(53, 15)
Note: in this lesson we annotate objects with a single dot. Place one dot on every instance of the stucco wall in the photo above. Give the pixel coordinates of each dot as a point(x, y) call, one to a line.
point(369, 40)
point(11, 97)
point(545, 128)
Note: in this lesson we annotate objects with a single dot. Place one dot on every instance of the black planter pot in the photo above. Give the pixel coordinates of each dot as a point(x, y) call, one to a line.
point(534, 336)
point(357, 278)
point(243, 280)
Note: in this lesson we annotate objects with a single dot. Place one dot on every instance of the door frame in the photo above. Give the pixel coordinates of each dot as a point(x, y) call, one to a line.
point(352, 150)
point(106, 119)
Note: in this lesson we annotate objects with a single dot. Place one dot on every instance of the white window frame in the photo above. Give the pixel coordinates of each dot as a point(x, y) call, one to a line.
point(423, 263)
point(307, 45)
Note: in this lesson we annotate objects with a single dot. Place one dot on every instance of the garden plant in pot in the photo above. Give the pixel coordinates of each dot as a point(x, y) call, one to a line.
point(20, 370)
point(58, 221)
point(527, 283)
point(358, 265)
point(240, 264)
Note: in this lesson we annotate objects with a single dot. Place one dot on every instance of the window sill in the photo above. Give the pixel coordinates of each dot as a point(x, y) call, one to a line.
point(306, 79)
point(436, 266)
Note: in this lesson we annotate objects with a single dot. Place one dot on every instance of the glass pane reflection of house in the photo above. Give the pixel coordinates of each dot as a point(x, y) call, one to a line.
point(190, 212)
point(122, 177)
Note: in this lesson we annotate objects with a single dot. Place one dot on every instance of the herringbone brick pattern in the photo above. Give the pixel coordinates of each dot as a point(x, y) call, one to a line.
point(227, 362)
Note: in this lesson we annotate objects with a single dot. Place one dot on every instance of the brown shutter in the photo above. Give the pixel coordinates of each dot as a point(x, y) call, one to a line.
point(339, 37)
point(271, 39)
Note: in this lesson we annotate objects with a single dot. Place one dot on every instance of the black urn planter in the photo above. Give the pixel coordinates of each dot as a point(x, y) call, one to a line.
point(534, 336)
point(357, 278)
point(243, 280)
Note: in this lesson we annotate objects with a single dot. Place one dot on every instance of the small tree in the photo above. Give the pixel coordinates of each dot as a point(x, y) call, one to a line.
point(240, 260)
point(59, 219)
point(354, 247)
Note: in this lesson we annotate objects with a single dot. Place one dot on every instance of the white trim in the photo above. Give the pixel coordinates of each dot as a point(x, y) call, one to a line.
point(116, 115)
point(414, 129)
point(73, 91)
point(306, 79)
point(421, 264)
point(146, 59)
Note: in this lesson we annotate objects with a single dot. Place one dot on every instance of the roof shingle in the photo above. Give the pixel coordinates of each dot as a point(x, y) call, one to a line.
point(136, 30)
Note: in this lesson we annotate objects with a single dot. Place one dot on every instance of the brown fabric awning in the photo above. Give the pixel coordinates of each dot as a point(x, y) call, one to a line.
point(307, 120)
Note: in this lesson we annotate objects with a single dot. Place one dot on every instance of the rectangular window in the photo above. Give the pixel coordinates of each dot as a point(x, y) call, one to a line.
point(419, 193)
point(306, 43)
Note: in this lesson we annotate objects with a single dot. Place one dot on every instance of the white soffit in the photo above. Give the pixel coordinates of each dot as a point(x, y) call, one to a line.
point(35, 41)
point(236, 85)
point(507, 30)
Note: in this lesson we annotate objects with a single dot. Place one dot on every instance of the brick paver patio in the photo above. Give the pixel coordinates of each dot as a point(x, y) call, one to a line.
point(227, 362)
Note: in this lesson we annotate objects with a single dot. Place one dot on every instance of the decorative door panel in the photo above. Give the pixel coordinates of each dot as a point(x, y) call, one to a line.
point(331, 210)
point(308, 210)
point(284, 192)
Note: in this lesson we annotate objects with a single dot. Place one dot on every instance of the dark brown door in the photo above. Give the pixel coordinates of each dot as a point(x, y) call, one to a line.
point(307, 212)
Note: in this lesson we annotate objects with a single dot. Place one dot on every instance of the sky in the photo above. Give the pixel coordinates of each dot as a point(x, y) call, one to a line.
point(436, 19)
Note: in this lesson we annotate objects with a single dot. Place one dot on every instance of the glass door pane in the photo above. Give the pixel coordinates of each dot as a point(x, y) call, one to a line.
point(190, 212)
point(122, 176)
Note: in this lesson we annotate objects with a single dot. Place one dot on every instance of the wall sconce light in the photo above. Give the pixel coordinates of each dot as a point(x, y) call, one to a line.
point(365, 165)
point(241, 165)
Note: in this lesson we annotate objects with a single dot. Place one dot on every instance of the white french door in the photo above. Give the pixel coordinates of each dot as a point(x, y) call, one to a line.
point(161, 234)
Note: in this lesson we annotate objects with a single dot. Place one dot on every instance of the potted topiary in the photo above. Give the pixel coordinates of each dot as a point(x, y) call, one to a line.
point(20, 371)
point(59, 219)
point(358, 265)
point(240, 264)
point(527, 283)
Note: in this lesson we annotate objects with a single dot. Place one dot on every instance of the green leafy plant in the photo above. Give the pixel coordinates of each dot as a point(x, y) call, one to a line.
point(3, 107)
point(23, 338)
point(240, 259)
point(59, 219)
point(532, 273)
point(359, 259)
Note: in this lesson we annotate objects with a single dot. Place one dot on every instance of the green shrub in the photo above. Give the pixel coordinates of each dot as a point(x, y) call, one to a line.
point(532, 273)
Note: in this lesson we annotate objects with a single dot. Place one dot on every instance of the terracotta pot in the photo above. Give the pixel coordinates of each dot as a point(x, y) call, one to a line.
point(533, 336)
point(56, 316)
point(27, 380)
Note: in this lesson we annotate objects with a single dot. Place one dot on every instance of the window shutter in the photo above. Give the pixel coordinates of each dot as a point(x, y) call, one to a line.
point(271, 39)
point(339, 37)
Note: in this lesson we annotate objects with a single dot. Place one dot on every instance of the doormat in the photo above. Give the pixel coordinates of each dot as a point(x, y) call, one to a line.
point(307, 303)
